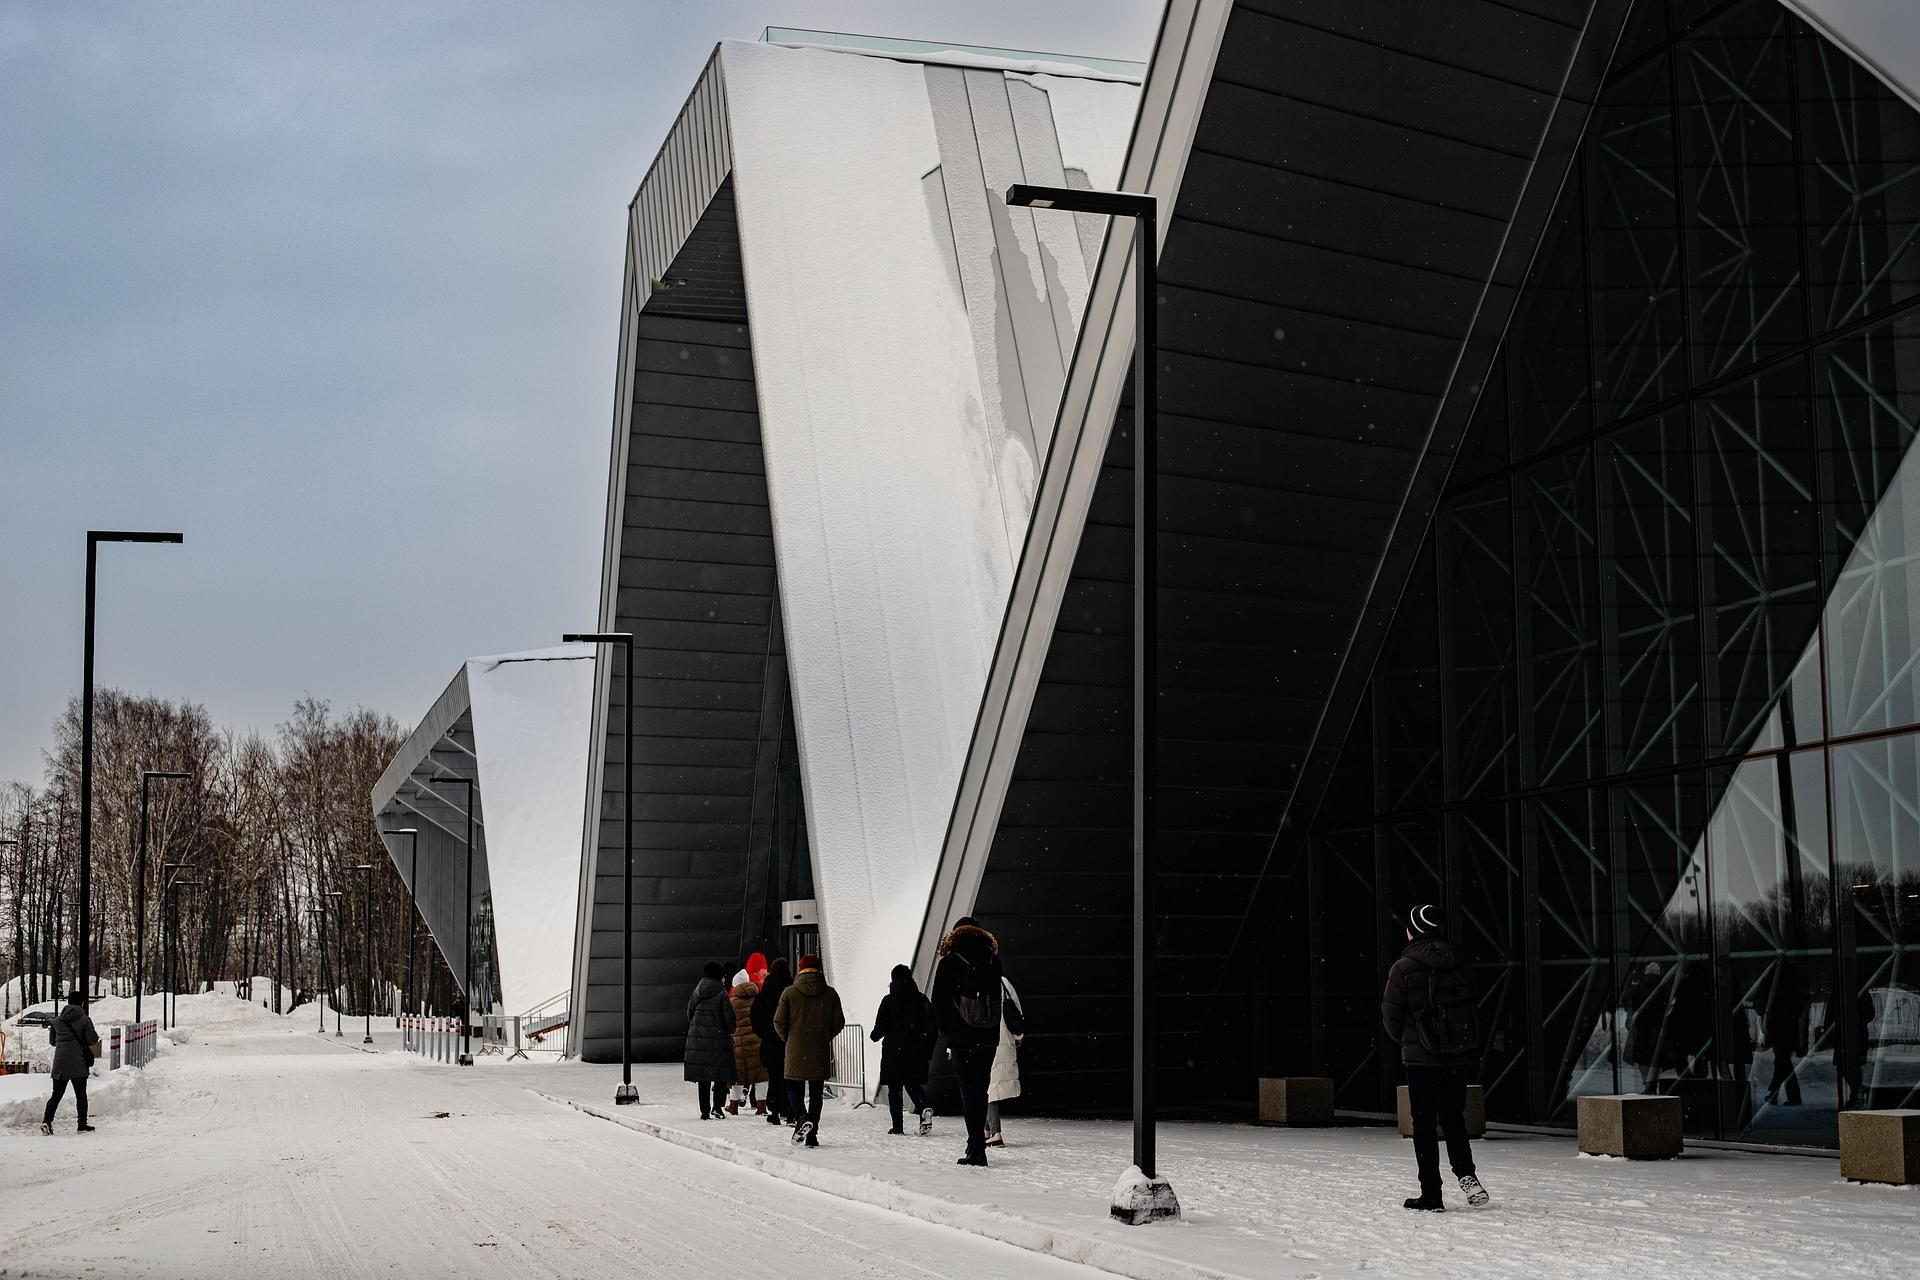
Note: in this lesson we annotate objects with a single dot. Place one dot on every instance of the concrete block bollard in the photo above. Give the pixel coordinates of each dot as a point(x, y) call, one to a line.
point(1880, 1146)
point(1639, 1126)
point(1476, 1111)
point(1299, 1102)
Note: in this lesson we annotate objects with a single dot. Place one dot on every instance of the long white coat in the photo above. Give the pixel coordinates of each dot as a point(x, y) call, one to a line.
point(1005, 1081)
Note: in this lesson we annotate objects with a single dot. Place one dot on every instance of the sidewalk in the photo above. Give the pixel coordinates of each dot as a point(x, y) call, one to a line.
point(1286, 1202)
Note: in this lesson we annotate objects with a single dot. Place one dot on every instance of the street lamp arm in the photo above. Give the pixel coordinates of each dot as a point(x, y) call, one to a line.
point(1116, 204)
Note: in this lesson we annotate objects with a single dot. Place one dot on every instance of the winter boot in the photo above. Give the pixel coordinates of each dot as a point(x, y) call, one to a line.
point(46, 1129)
point(995, 1140)
point(733, 1108)
point(759, 1106)
point(1426, 1204)
point(85, 1128)
point(976, 1161)
point(803, 1134)
point(1477, 1196)
point(926, 1121)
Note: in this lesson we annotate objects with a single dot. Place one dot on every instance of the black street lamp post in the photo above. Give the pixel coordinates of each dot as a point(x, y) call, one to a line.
point(318, 910)
point(173, 965)
point(166, 936)
point(626, 1093)
point(466, 932)
point(94, 538)
point(413, 900)
point(1151, 1197)
point(340, 969)
point(140, 891)
point(367, 950)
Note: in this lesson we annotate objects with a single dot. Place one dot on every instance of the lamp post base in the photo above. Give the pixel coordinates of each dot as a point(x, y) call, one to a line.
point(464, 1060)
point(626, 1095)
point(367, 1040)
point(1139, 1199)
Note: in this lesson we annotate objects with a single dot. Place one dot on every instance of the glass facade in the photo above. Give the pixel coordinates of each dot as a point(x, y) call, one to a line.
point(1648, 723)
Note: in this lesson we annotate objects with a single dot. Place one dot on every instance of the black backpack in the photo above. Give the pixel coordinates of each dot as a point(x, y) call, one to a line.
point(976, 1001)
point(1449, 1024)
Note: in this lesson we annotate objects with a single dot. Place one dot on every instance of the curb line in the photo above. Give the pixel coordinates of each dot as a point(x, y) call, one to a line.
point(994, 1224)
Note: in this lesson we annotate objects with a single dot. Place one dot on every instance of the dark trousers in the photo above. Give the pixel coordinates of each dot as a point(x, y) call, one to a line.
point(1437, 1096)
point(914, 1092)
point(1783, 1073)
point(805, 1097)
point(972, 1069)
point(713, 1095)
point(778, 1103)
point(60, 1084)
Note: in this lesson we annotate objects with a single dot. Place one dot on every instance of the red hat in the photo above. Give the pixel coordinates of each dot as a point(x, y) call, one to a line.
point(809, 961)
point(756, 968)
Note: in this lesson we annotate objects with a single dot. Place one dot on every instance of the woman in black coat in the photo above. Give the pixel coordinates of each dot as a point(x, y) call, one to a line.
point(773, 1050)
point(709, 1052)
point(906, 1030)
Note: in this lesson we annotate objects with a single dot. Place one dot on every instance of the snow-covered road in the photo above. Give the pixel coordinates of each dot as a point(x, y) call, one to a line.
point(269, 1151)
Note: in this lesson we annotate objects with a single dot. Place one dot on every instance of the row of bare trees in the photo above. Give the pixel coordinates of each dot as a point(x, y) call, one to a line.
point(245, 851)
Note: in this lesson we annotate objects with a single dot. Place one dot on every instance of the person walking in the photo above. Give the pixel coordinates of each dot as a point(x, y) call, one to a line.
point(966, 1000)
point(905, 1030)
point(748, 1070)
point(75, 1045)
point(709, 1052)
point(808, 1019)
point(1786, 1029)
point(773, 1050)
point(1430, 1012)
point(1003, 1083)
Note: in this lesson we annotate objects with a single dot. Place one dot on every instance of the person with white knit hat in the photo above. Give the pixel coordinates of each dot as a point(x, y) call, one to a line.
point(1431, 1013)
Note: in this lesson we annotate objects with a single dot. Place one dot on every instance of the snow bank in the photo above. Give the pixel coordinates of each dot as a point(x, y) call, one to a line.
point(23, 1099)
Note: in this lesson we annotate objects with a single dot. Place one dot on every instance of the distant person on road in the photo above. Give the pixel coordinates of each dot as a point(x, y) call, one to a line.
point(748, 1070)
point(1430, 1012)
point(966, 1000)
point(906, 1031)
point(1003, 1084)
point(808, 1019)
point(75, 1045)
point(709, 1052)
point(773, 1050)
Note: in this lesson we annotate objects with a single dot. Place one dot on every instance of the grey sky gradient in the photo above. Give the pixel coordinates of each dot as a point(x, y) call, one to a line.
point(334, 289)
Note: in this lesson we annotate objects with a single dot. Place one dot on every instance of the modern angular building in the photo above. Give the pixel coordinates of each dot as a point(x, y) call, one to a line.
point(501, 759)
point(840, 359)
point(1537, 384)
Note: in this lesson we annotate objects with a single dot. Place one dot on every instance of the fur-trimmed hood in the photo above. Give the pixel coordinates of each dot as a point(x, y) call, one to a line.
point(969, 931)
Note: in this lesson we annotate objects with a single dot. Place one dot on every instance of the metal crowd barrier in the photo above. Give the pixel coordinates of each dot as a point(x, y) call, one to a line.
point(500, 1033)
point(850, 1063)
point(132, 1044)
point(435, 1039)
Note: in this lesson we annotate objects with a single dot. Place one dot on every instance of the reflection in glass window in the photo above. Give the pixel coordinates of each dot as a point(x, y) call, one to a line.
point(1868, 389)
point(1773, 926)
point(1876, 839)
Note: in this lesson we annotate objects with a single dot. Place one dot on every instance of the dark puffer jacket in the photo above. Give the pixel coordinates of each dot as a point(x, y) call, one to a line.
point(72, 1034)
point(969, 963)
point(773, 1050)
point(709, 1053)
point(1405, 1000)
point(905, 1028)
point(808, 1019)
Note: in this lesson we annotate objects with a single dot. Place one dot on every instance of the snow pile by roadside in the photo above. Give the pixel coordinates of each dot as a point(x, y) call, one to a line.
point(23, 1099)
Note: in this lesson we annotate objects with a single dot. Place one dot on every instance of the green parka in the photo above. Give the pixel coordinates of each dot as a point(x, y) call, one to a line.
point(808, 1019)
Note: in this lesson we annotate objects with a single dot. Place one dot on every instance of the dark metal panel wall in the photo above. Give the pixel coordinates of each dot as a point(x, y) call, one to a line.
point(697, 590)
point(1363, 197)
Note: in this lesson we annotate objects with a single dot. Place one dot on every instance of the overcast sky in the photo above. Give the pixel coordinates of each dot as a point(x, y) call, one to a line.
point(334, 289)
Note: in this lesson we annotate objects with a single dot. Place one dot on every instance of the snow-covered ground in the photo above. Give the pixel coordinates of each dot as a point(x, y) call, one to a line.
point(269, 1150)
point(268, 1147)
point(1305, 1202)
